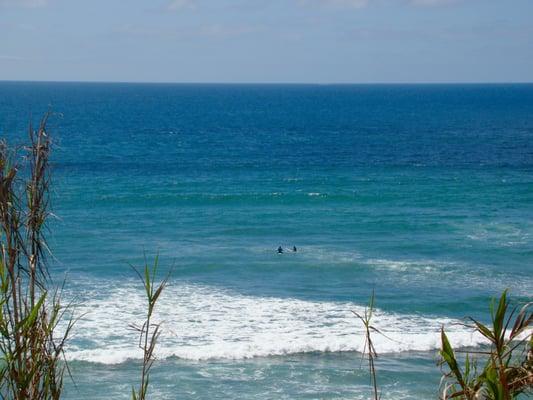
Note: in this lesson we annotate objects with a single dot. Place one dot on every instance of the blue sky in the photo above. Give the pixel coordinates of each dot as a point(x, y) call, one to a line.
point(323, 41)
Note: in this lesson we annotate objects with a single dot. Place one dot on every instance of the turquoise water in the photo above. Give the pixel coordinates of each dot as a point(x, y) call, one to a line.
point(423, 193)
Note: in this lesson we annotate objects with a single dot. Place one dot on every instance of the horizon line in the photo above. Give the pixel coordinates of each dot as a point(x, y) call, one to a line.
point(272, 83)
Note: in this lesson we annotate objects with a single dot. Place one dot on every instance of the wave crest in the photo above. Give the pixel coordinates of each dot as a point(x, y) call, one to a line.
point(201, 322)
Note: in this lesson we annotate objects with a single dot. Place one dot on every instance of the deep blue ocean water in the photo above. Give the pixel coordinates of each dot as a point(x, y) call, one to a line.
point(423, 193)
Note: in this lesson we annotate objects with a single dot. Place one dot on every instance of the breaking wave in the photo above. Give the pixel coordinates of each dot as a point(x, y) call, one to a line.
point(202, 322)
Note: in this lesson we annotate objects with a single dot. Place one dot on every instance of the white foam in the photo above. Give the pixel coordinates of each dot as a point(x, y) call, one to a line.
point(402, 266)
point(500, 234)
point(201, 322)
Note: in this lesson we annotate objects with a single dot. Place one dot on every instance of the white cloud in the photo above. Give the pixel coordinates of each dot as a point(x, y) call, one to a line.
point(24, 3)
point(11, 58)
point(175, 5)
point(338, 3)
point(364, 3)
point(214, 31)
point(432, 2)
point(221, 31)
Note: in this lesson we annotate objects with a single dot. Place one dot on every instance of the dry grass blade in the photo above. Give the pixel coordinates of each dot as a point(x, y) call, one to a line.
point(368, 347)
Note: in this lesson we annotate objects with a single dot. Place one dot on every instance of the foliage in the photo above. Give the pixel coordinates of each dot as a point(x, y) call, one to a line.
point(149, 331)
point(31, 350)
point(508, 369)
point(368, 347)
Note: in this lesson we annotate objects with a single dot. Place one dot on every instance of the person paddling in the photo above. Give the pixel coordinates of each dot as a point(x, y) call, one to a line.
point(280, 250)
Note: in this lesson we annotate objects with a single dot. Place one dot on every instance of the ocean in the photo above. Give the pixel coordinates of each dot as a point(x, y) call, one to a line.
point(420, 193)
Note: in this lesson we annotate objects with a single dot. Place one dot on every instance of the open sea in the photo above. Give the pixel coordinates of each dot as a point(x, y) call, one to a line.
point(422, 193)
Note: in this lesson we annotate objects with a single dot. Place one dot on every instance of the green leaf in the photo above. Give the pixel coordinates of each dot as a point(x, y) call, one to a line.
point(30, 319)
point(499, 316)
point(449, 356)
point(522, 321)
point(484, 330)
point(147, 284)
point(154, 268)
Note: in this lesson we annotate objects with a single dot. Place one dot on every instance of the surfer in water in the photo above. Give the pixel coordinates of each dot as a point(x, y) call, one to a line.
point(294, 249)
point(280, 250)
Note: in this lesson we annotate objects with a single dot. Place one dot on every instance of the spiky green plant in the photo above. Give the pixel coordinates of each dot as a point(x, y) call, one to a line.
point(508, 369)
point(31, 349)
point(368, 348)
point(149, 331)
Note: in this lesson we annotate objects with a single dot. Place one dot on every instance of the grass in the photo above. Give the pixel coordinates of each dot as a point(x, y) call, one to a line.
point(149, 331)
point(368, 347)
point(31, 349)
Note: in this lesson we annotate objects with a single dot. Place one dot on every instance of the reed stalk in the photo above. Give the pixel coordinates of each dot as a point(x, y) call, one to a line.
point(31, 348)
point(149, 331)
point(368, 348)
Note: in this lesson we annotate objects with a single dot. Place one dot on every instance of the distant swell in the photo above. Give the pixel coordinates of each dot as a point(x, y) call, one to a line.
point(201, 322)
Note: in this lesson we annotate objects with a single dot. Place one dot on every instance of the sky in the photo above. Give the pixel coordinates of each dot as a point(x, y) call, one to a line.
point(267, 41)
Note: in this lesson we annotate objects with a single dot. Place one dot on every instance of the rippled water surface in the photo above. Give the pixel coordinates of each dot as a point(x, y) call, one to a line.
point(423, 193)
